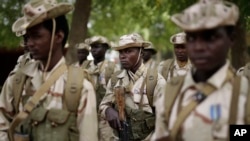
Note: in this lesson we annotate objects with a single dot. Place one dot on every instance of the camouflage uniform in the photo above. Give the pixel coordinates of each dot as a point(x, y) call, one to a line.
point(86, 117)
point(52, 100)
point(132, 82)
point(101, 74)
point(209, 119)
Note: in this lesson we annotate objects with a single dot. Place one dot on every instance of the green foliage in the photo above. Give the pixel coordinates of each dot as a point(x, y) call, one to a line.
point(114, 18)
point(147, 17)
point(10, 10)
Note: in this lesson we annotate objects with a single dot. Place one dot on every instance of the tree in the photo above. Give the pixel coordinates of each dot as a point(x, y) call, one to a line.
point(78, 27)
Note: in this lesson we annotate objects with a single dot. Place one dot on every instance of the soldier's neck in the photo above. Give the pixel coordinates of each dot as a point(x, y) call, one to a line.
point(181, 63)
point(136, 67)
point(98, 60)
point(55, 58)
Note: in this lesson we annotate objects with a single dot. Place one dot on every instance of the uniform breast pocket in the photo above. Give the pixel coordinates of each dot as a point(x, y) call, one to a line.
point(140, 98)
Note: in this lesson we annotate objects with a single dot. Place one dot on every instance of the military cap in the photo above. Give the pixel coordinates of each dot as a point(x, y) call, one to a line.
point(131, 40)
point(207, 14)
point(179, 38)
point(152, 48)
point(82, 46)
point(37, 11)
point(97, 39)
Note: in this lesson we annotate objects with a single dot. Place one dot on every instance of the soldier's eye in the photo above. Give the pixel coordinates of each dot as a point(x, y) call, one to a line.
point(209, 37)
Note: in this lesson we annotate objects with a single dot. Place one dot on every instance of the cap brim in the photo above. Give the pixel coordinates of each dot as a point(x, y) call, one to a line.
point(144, 45)
point(21, 24)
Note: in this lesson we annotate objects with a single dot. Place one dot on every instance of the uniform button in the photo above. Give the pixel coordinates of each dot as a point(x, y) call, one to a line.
point(34, 123)
point(53, 124)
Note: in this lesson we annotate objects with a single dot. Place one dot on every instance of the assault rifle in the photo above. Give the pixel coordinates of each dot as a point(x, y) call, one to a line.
point(120, 100)
point(124, 131)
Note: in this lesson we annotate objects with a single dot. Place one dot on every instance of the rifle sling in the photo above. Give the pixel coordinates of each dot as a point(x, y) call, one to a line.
point(185, 111)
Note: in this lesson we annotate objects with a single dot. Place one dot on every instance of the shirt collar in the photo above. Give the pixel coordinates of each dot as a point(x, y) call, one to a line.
point(30, 68)
point(217, 79)
point(133, 76)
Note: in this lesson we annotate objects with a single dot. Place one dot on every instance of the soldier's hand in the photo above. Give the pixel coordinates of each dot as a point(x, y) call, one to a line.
point(113, 118)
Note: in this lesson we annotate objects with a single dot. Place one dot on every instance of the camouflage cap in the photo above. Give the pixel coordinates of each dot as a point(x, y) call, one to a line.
point(37, 11)
point(131, 40)
point(82, 46)
point(97, 39)
point(179, 38)
point(151, 47)
point(207, 14)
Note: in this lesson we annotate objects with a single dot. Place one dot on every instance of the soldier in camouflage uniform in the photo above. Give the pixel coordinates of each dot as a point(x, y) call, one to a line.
point(180, 65)
point(128, 106)
point(201, 105)
point(100, 71)
point(82, 54)
point(148, 54)
point(36, 103)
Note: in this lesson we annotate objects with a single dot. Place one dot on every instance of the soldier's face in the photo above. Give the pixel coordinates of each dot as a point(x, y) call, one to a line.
point(38, 42)
point(82, 54)
point(128, 57)
point(207, 49)
point(180, 52)
point(147, 54)
point(98, 50)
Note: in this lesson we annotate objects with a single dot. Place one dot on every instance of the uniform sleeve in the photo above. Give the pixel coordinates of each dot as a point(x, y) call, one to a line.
point(159, 88)
point(107, 100)
point(6, 108)
point(87, 114)
point(160, 67)
point(160, 123)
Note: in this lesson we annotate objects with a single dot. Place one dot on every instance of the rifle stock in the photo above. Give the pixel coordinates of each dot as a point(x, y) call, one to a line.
point(120, 100)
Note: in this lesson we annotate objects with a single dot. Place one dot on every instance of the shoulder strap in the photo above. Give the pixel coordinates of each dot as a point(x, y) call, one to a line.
point(151, 80)
point(235, 100)
point(247, 109)
point(185, 111)
point(19, 80)
point(173, 88)
point(114, 78)
point(168, 64)
point(73, 88)
point(32, 103)
point(85, 64)
point(109, 70)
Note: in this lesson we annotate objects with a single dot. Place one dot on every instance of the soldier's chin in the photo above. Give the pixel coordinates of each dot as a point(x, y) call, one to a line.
point(125, 67)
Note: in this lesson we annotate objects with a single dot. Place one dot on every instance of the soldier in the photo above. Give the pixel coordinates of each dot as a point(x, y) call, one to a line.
point(181, 64)
point(100, 71)
point(23, 59)
point(131, 93)
point(48, 100)
point(82, 54)
point(148, 54)
point(201, 105)
point(245, 70)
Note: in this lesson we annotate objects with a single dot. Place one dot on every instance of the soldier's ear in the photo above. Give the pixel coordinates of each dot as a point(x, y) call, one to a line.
point(59, 36)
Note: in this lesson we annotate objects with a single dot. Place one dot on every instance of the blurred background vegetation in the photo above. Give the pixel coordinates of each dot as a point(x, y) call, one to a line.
point(114, 18)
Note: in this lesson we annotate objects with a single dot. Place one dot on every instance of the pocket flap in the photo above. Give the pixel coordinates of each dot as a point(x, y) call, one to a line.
point(38, 114)
point(58, 116)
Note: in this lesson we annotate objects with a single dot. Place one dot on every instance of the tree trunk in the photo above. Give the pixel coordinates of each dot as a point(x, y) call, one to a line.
point(239, 54)
point(78, 30)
